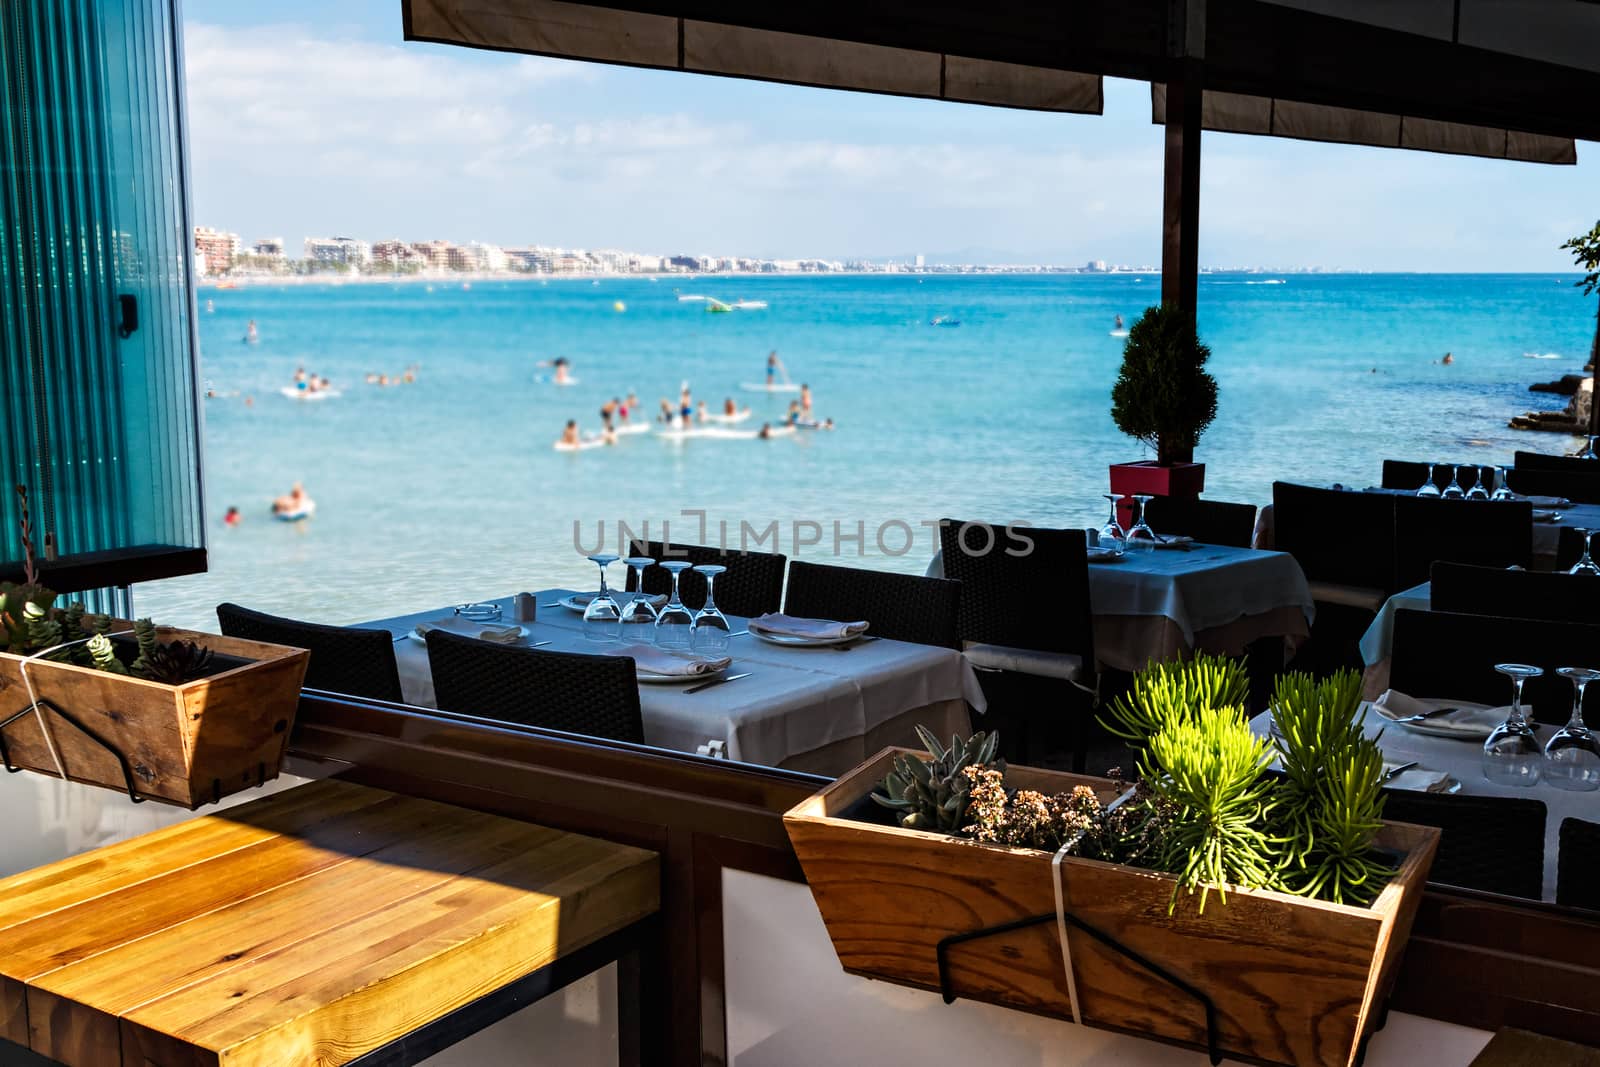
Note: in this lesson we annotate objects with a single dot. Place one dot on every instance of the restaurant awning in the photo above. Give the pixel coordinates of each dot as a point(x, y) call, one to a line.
point(1240, 113)
point(608, 35)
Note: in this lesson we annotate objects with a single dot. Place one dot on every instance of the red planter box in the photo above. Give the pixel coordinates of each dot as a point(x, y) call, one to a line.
point(1149, 477)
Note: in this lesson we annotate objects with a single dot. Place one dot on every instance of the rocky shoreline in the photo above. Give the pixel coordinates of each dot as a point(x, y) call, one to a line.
point(1574, 418)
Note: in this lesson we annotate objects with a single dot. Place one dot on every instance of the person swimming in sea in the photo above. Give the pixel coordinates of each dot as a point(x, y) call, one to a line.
point(666, 412)
point(685, 405)
point(569, 436)
point(774, 364)
point(1448, 359)
point(608, 412)
point(251, 335)
point(232, 518)
point(293, 502)
point(700, 412)
point(765, 433)
point(805, 401)
point(210, 307)
point(793, 416)
point(632, 403)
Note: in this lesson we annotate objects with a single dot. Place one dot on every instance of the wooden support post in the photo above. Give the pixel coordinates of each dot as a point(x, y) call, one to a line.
point(1180, 213)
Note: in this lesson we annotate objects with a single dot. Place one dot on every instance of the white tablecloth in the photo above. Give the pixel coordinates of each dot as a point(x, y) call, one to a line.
point(1209, 590)
point(1378, 642)
point(795, 700)
point(1463, 760)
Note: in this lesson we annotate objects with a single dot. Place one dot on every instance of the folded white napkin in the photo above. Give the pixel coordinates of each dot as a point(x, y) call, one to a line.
point(652, 660)
point(500, 635)
point(1420, 779)
point(1179, 542)
point(1547, 501)
point(775, 622)
point(1473, 720)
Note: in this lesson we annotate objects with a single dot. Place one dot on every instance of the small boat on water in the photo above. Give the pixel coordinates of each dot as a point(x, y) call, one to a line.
point(944, 320)
point(748, 305)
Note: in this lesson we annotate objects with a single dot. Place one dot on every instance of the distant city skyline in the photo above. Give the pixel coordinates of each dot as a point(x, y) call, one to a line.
point(308, 119)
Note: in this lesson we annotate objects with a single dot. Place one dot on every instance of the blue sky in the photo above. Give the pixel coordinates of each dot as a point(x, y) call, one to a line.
point(305, 123)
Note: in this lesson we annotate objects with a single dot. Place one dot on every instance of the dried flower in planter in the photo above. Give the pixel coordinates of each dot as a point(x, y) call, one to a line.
point(1027, 818)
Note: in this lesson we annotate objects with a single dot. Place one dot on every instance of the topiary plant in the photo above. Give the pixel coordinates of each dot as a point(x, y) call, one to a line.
point(1163, 395)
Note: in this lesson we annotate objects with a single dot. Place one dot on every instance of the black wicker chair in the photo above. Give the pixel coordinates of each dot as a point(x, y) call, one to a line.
point(597, 696)
point(343, 660)
point(1339, 538)
point(1212, 522)
point(1029, 663)
point(1578, 865)
point(1582, 487)
point(752, 584)
point(1493, 844)
point(1468, 590)
point(1408, 474)
point(1489, 533)
point(1451, 657)
point(901, 607)
point(1543, 461)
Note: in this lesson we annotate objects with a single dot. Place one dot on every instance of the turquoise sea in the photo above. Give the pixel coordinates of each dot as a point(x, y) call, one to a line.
point(448, 489)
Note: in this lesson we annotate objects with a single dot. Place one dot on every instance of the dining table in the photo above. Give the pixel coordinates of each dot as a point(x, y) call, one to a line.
point(816, 709)
point(1462, 760)
point(1165, 603)
point(1377, 643)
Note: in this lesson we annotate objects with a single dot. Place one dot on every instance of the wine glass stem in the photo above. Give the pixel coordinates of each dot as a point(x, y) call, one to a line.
point(1577, 705)
point(711, 604)
point(603, 590)
point(675, 599)
point(1516, 701)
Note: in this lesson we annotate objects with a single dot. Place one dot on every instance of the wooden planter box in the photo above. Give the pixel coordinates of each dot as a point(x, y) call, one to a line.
point(1293, 981)
point(183, 744)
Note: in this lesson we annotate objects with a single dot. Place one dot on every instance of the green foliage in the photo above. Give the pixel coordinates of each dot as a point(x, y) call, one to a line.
point(173, 662)
point(1164, 693)
point(144, 632)
point(1331, 801)
point(1585, 249)
point(103, 656)
point(44, 631)
point(14, 600)
point(1163, 394)
point(933, 794)
point(1208, 768)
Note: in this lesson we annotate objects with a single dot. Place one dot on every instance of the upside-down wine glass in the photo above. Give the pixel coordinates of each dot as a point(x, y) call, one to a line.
point(1502, 486)
point(675, 624)
point(1511, 754)
point(1586, 564)
point(1588, 450)
point(1429, 486)
point(602, 617)
point(1572, 755)
point(1112, 531)
point(638, 612)
point(1141, 538)
point(1453, 491)
point(1478, 492)
point(710, 625)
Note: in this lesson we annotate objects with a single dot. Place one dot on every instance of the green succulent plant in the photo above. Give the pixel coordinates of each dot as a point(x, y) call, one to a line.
point(144, 633)
point(933, 794)
point(1208, 769)
point(174, 662)
point(1164, 693)
point(103, 655)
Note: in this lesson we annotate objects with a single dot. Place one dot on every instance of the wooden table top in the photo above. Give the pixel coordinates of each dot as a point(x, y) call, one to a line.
point(309, 927)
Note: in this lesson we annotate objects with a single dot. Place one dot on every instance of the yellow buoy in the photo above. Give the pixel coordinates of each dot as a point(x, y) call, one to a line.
point(619, 306)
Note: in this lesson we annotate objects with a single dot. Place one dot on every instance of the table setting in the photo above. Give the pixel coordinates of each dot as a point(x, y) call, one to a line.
point(809, 694)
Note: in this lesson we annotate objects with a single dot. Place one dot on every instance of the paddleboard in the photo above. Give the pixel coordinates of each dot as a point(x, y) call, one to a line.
point(729, 420)
point(586, 443)
point(1119, 333)
point(306, 394)
point(775, 387)
point(632, 427)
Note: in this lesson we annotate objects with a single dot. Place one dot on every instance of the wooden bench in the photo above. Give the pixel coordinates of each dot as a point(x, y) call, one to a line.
point(327, 924)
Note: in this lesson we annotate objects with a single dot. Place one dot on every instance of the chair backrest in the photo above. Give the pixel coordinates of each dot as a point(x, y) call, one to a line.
point(1409, 474)
point(1494, 844)
point(1444, 655)
point(343, 660)
point(1212, 522)
point(1582, 487)
point(1021, 587)
point(1469, 590)
point(1543, 461)
point(1336, 536)
point(752, 584)
point(1578, 865)
point(1490, 533)
point(1569, 547)
point(597, 696)
point(901, 607)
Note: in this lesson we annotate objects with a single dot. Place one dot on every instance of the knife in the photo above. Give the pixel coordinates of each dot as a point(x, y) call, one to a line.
point(716, 681)
point(1399, 769)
